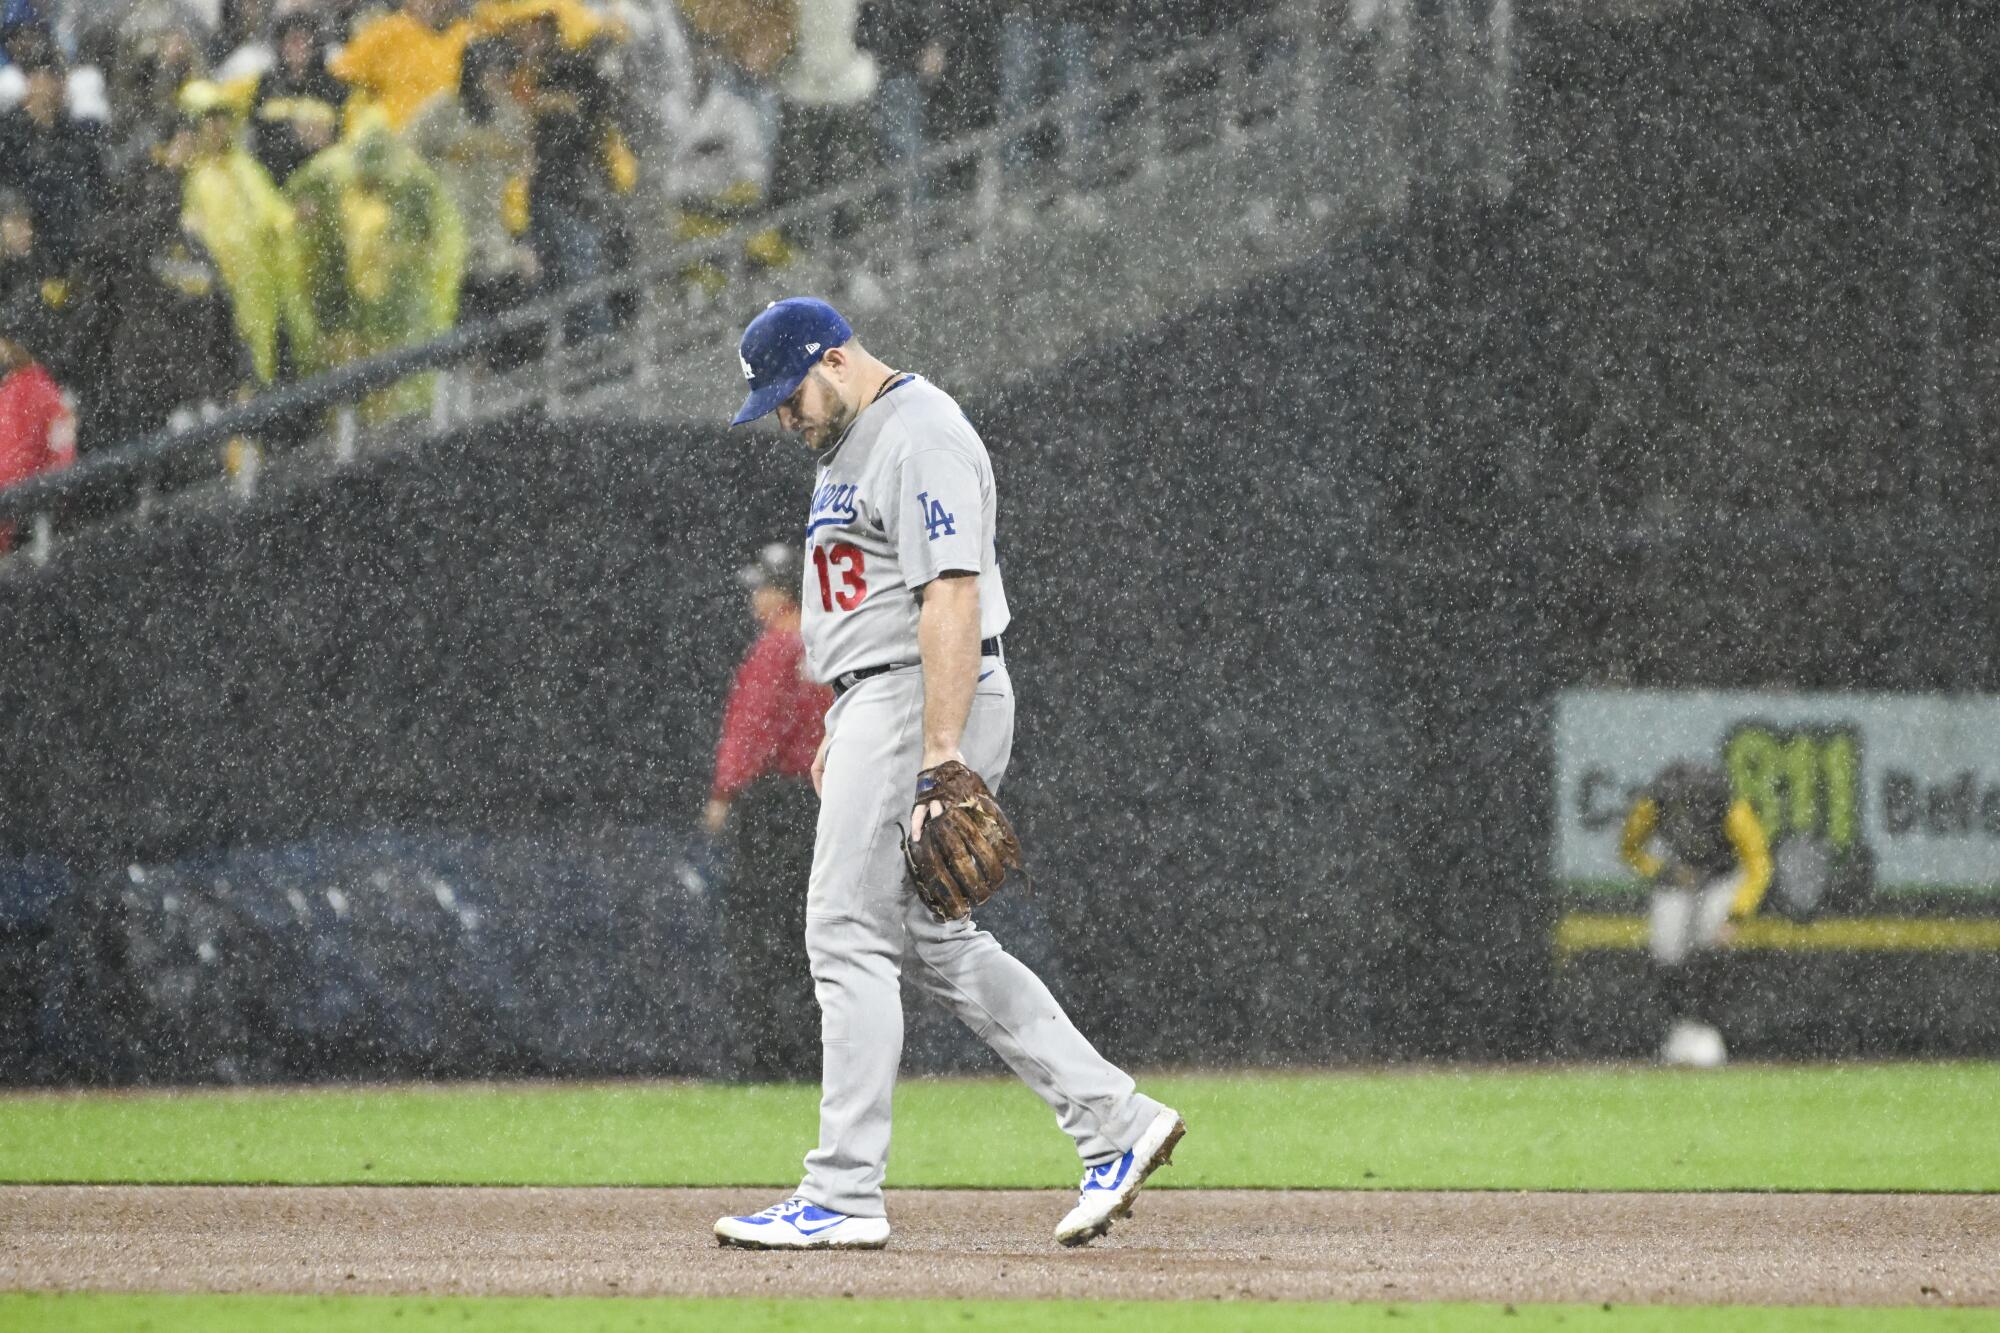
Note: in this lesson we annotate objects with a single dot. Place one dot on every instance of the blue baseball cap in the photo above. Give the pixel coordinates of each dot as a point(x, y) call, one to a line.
point(781, 345)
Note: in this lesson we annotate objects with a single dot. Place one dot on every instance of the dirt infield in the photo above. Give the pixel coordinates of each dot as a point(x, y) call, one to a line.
point(1624, 1248)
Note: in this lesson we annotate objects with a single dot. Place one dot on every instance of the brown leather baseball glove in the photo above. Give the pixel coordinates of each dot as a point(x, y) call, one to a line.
point(965, 852)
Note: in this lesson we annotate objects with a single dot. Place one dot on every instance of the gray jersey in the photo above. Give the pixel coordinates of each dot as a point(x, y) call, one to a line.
point(907, 494)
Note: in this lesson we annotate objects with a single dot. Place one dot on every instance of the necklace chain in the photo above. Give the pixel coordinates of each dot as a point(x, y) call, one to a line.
point(894, 375)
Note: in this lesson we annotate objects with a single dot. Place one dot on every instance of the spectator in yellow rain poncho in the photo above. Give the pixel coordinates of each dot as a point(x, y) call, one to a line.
point(396, 62)
point(229, 202)
point(382, 251)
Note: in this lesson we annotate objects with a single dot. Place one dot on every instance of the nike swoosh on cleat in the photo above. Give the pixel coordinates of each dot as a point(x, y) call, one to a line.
point(805, 1230)
point(1109, 1182)
point(984, 674)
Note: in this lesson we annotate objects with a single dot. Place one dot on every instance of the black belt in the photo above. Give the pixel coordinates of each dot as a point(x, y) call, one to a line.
point(842, 684)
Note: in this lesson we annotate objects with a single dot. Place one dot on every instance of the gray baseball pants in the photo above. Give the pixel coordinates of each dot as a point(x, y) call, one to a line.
point(1686, 920)
point(864, 927)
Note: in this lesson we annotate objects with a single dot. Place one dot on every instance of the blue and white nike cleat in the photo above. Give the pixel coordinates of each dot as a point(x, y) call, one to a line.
point(798, 1225)
point(1109, 1186)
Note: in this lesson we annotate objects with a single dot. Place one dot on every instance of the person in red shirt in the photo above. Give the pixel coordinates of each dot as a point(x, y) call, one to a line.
point(773, 722)
point(762, 801)
point(37, 429)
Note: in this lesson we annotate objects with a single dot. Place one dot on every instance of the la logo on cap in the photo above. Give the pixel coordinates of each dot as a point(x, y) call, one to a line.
point(744, 361)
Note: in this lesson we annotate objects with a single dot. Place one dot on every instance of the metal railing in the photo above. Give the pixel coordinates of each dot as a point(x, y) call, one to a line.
point(1267, 77)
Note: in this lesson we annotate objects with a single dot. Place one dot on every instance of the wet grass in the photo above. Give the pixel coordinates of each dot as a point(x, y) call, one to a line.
point(103, 1313)
point(1864, 1127)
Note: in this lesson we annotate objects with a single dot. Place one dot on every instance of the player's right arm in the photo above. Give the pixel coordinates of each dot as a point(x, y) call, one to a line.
point(938, 525)
point(948, 643)
point(1639, 824)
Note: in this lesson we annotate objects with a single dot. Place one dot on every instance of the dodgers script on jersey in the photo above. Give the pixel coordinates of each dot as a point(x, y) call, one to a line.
point(905, 495)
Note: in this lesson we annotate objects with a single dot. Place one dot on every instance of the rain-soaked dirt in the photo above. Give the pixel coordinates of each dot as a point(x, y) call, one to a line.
point(1624, 1248)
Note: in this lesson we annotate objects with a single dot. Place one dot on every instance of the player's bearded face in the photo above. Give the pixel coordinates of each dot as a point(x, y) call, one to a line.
point(818, 412)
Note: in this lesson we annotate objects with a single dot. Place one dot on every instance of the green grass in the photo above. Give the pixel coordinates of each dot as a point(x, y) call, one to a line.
point(341, 1314)
point(1870, 1127)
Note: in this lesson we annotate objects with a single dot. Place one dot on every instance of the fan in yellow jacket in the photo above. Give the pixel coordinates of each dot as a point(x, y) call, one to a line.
point(230, 203)
point(398, 61)
point(1709, 863)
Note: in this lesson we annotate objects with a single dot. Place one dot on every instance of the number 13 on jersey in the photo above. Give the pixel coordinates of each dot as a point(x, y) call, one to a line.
point(846, 560)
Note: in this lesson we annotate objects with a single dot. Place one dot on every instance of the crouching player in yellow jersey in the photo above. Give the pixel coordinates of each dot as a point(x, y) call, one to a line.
point(1709, 864)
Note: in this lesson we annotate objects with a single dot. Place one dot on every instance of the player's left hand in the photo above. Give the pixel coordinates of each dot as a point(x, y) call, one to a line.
point(962, 844)
point(929, 809)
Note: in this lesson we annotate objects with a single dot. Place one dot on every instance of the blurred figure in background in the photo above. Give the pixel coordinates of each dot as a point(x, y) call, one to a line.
point(771, 729)
point(297, 109)
point(477, 140)
point(937, 64)
point(103, 26)
point(382, 253)
point(718, 165)
point(913, 44)
point(719, 161)
point(652, 65)
point(231, 206)
point(14, 13)
point(29, 41)
point(344, 18)
point(37, 429)
point(241, 44)
point(754, 36)
point(1703, 851)
point(1048, 51)
point(20, 264)
point(148, 71)
point(582, 165)
point(42, 304)
point(47, 152)
point(162, 335)
point(580, 24)
point(399, 61)
point(824, 135)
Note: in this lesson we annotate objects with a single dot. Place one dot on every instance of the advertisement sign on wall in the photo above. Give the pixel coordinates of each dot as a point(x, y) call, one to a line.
point(1888, 799)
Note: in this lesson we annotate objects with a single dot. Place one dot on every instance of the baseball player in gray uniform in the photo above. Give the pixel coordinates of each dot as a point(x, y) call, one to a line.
point(903, 613)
